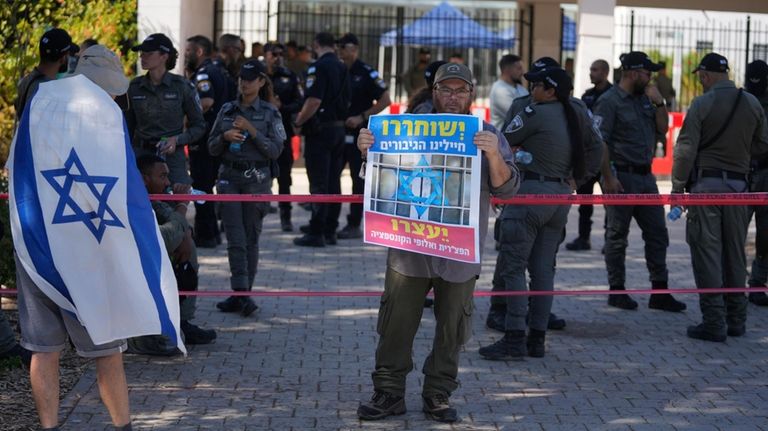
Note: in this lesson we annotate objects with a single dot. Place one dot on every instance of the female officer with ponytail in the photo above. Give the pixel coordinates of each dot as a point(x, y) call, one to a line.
point(555, 134)
point(248, 135)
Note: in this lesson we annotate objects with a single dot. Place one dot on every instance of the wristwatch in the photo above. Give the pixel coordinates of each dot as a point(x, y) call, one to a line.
point(660, 105)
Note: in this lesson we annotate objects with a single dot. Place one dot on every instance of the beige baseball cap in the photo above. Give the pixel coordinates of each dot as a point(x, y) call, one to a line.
point(103, 67)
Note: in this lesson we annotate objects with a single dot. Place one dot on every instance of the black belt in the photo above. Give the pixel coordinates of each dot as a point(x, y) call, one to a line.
point(244, 165)
point(634, 169)
point(720, 173)
point(534, 176)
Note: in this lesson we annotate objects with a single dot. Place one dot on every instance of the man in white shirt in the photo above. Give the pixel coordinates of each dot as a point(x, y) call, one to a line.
point(508, 88)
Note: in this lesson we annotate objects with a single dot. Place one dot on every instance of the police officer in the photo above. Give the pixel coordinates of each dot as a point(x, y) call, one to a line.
point(633, 117)
point(722, 129)
point(369, 97)
point(551, 130)
point(598, 75)
point(498, 310)
point(288, 98)
point(159, 103)
point(248, 134)
point(211, 84)
point(757, 84)
point(321, 120)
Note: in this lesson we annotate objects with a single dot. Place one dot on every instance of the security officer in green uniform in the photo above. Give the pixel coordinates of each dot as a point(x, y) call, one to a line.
point(211, 83)
point(722, 130)
point(551, 130)
point(757, 85)
point(159, 103)
point(633, 117)
point(248, 135)
point(321, 120)
point(369, 97)
point(288, 98)
point(498, 310)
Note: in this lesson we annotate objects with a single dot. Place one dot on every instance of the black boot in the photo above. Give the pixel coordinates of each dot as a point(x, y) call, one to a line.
point(285, 219)
point(535, 343)
point(664, 301)
point(510, 348)
point(623, 301)
point(758, 298)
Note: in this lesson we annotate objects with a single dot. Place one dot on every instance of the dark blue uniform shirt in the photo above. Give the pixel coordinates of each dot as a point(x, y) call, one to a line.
point(366, 86)
point(327, 80)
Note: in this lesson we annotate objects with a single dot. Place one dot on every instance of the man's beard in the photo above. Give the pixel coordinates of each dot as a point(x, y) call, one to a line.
point(64, 67)
point(517, 81)
point(639, 88)
point(451, 108)
point(192, 62)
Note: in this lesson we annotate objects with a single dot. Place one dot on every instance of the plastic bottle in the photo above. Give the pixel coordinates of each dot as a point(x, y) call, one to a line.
point(192, 192)
point(236, 147)
point(523, 157)
point(674, 213)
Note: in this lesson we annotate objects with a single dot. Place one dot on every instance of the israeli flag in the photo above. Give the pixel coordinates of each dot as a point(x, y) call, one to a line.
point(81, 218)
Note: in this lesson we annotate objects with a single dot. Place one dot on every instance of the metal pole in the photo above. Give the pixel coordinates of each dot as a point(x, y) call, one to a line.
point(530, 32)
point(562, 29)
point(632, 31)
point(749, 28)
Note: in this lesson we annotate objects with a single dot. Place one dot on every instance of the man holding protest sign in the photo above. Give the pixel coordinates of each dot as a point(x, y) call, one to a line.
point(411, 275)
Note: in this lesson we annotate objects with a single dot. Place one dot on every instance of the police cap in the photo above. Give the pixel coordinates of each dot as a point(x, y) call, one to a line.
point(552, 77)
point(155, 42)
point(542, 63)
point(713, 63)
point(251, 70)
point(429, 72)
point(636, 60)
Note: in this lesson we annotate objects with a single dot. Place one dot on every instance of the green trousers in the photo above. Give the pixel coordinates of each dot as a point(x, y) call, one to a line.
point(402, 306)
point(716, 236)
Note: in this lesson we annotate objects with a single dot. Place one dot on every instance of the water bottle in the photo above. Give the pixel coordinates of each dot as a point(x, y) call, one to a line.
point(236, 147)
point(523, 157)
point(198, 192)
point(674, 213)
point(192, 192)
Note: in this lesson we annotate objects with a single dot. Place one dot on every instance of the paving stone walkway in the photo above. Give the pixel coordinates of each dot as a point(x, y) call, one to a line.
point(305, 363)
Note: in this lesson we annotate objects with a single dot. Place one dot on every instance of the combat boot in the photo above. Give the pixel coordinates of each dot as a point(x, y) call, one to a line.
point(664, 301)
point(285, 219)
point(535, 343)
point(509, 348)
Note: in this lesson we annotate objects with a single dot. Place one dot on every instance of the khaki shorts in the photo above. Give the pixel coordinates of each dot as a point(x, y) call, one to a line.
point(45, 327)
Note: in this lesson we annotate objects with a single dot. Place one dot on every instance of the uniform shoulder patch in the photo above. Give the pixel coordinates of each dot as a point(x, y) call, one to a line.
point(280, 130)
point(310, 81)
point(515, 125)
point(311, 70)
point(529, 111)
point(204, 86)
point(201, 77)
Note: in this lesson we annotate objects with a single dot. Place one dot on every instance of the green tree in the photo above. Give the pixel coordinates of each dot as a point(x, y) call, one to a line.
point(22, 23)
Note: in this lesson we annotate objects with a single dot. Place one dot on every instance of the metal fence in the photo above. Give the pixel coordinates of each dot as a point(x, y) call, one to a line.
point(682, 43)
point(383, 32)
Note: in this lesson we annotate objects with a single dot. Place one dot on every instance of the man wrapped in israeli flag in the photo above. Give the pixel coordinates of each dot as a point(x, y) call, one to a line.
point(91, 263)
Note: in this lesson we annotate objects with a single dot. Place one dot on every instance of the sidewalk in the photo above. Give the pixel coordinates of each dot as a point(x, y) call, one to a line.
point(305, 363)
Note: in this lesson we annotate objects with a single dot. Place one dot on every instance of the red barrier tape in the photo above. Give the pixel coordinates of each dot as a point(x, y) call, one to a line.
point(482, 293)
point(699, 199)
point(621, 199)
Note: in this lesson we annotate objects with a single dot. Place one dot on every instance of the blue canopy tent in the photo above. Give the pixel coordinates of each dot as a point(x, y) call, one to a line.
point(446, 26)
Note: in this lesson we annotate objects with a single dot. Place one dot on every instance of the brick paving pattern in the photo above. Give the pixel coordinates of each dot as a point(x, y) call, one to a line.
point(305, 363)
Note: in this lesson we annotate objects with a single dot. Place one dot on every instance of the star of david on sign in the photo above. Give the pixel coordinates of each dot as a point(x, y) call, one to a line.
point(405, 190)
point(70, 210)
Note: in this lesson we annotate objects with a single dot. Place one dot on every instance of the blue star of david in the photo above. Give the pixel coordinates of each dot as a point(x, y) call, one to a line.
point(405, 190)
point(100, 186)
